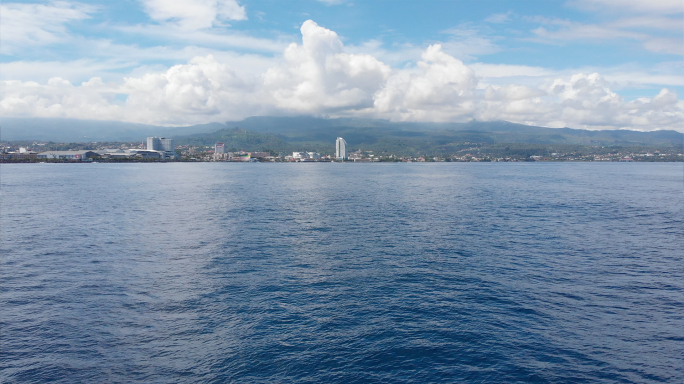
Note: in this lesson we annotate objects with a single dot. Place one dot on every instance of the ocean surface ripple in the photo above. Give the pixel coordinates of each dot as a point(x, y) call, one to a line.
point(221, 272)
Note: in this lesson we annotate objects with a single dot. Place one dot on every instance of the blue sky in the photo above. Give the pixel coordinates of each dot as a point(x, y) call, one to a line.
point(593, 64)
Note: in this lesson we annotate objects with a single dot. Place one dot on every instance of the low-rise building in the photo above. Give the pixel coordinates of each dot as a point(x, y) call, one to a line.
point(116, 153)
point(19, 155)
point(147, 155)
point(259, 155)
point(68, 155)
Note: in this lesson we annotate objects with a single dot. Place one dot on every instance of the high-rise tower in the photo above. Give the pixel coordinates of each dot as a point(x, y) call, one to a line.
point(153, 144)
point(219, 148)
point(162, 145)
point(167, 145)
point(340, 148)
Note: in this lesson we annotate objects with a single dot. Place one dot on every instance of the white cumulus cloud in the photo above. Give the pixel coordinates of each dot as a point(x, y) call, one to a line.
point(203, 89)
point(581, 101)
point(318, 75)
point(59, 98)
point(441, 90)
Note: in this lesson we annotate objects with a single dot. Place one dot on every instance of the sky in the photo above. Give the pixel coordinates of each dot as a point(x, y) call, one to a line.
point(592, 64)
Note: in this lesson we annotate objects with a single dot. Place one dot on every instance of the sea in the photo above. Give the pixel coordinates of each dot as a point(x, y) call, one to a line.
point(342, 273)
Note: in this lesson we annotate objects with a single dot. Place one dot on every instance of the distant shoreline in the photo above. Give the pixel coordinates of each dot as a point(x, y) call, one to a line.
point(340, 162)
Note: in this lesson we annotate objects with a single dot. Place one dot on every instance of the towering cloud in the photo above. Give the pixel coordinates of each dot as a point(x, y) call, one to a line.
point(319, 77)
point(442, 89)
point(201, 89)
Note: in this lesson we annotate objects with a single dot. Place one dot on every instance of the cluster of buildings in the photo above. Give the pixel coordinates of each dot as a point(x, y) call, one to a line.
point(306, 156)
point(340, 153)
point(21, 154)
point(158, 148)
point(220, 154)
point(162, 149)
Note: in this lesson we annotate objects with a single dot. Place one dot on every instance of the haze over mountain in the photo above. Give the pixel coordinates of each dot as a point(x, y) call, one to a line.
point(311, 133)
point(75, 130)
point(357, 130)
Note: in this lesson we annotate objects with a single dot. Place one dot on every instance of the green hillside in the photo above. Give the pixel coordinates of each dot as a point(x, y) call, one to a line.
point(236, 139)
point(287, 134)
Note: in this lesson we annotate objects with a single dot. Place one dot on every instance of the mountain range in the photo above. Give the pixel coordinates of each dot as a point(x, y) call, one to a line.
point(319, 134)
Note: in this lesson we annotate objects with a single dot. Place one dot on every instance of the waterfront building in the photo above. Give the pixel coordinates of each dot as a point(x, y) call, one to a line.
point(153, 144)
point(244, 156)
point(259, 155)
point(340, 149)
point(148, 155)
point(26, 154)
point(67, 155)
point(116, 153)
point(167, 146)
point(162, 145)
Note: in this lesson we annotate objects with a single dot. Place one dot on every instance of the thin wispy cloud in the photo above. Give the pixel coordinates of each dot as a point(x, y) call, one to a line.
point(637, 29)
point(194, 14)
point(663, 7)
point(498, 18)
point(29, 25)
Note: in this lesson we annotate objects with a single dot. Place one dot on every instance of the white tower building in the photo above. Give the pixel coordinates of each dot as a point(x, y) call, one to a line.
point(163, 145)
point(340, 148)
point(153, 144)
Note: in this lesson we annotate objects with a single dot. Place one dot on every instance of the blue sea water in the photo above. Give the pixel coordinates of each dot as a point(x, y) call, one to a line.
point(445, 272)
